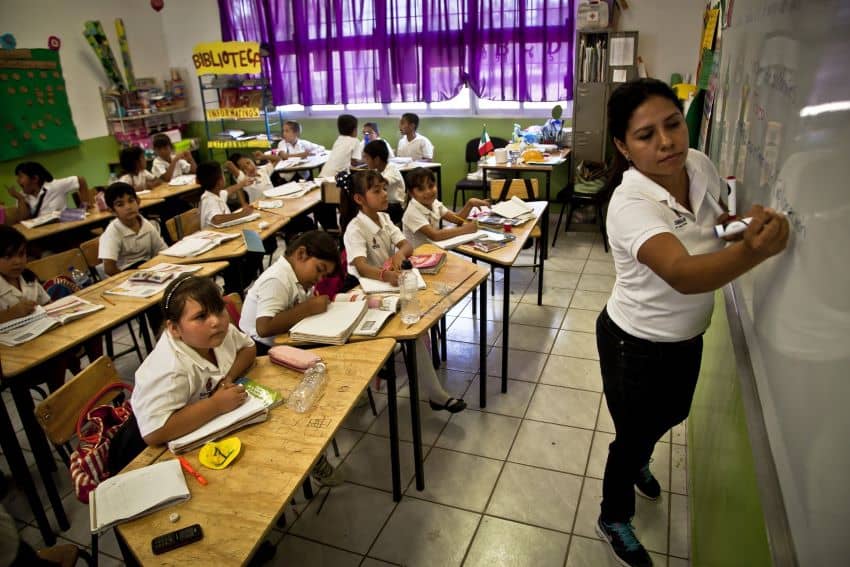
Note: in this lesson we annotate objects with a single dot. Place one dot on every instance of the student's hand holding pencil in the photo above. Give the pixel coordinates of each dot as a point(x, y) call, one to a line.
point(229, 397)
point(318, 304)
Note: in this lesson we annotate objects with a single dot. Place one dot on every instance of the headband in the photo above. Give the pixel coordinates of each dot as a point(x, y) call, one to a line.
point(173, 289)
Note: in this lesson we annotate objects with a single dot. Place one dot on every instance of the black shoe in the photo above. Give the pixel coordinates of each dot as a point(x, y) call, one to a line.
point(452, 405)
point(646, 485)
point(621, 539)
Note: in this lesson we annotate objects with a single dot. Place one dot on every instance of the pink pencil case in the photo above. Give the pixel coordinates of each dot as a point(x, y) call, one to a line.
point(293, 358)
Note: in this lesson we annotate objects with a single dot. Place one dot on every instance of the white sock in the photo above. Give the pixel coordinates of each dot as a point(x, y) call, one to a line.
point(427, 375)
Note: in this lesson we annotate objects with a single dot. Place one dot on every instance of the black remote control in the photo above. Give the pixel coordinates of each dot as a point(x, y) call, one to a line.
point(177, 538)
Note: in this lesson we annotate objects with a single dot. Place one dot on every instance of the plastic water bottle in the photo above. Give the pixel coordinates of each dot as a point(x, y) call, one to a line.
point(409, 287)
point(310, 389)
point(366, 138)
point(80, 278)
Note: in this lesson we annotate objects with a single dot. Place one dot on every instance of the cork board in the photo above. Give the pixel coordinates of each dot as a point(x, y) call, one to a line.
point(35, 115)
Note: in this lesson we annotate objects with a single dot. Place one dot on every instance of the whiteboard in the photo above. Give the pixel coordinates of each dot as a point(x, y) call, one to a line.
point(781, 125)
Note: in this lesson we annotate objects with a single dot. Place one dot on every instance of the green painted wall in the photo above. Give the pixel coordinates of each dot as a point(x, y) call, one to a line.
point(448, 134)
point(727, 521)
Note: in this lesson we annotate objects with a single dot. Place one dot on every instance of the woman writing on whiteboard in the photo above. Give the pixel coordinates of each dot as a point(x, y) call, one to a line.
point(668, 263)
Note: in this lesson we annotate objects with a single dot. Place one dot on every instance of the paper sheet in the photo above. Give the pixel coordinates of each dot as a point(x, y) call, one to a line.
point(622, 51)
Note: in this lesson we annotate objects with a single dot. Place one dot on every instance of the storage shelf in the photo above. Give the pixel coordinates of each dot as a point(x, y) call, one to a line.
point(148, 115)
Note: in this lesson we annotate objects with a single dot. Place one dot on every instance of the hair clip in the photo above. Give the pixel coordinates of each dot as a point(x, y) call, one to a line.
point(344, 180)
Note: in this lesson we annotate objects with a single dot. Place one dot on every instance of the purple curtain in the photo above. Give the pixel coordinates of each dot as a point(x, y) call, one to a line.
point(360, 51)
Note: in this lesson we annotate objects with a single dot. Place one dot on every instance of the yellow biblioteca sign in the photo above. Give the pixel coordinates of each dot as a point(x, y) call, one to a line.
point(227, 58)
point(233, 144)
point(233, 112)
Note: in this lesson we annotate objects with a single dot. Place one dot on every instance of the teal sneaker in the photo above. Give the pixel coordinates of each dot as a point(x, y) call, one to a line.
point(646, 485)
point(626, 548)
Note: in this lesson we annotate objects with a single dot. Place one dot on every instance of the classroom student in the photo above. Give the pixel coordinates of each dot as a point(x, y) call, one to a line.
point(243, 168)
point(375, 154)
point(293, 146)
point(370, 134)
point(421, 221)
point(129, 239)
point(134, 164)
point(344, 154)
point(213, 206)
point(668, 265)
point(376, 248)
point(188, 378)
point(167, 163)
point(42, 194)
point(413, 144)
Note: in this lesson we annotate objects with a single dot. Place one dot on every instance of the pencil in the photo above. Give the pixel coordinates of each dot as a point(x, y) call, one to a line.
point(273, 213)
point(106, 299)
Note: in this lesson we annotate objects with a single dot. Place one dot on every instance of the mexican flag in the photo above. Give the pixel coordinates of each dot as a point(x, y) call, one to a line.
point(485, 146)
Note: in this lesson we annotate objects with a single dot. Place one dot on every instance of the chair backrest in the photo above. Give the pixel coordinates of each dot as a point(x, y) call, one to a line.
point(233, 304)
point(11, 216)
point(183, 224)
point(58, 264)
point(330, 193)
point(89, 249)
point(59, 412)
point(519, 187)
point(472, 156)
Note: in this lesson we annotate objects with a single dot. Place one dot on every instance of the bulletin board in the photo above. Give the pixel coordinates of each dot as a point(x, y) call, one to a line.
point(35, 115)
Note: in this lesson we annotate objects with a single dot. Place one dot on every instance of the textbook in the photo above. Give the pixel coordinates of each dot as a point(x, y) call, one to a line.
point(197, 243)
point(178, 180)
point(23, 329)
point(241, 220)
point(42, 220)
point(291, 190)
point(380, 308)
point(513, 208)
point(254, 410)
point(369, 285)
point(151, 281)
point(130, 495)
point(428, 263)
point(333, 327)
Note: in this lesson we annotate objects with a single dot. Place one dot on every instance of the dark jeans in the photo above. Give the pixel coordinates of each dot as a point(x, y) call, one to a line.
point(649, 387)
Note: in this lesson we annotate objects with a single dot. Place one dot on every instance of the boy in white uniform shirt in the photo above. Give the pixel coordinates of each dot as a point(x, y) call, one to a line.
point(213, 206)
point(292, 146)
point(42, 193)
point(167, 164)
point(413, 144)
point(258, 177)
point(375, 155)
point(130, 239)
point(345, 153)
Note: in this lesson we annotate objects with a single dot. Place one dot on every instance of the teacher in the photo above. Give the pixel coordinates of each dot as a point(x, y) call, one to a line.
point(668, 263)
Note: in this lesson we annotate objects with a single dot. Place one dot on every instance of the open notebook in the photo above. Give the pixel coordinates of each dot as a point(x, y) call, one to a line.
point(254, 410)
point(333, 327)
point(197, 243)
point(23, 329)
point(133, 494)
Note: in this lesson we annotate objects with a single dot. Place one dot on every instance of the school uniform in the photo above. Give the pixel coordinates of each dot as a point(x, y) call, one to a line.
point(345, 149)
point(386, 143)
point(365, 239)
point(124, 246)
point(299, 147)
point(418, 215)
point(160, 166)
point(418, 148)
point(276, 290)
point(649, 335)
point(396, 192)
point(211, 205)
point(53, 196)
point(263, 182)
point(139, 181)
point(31, 291)
point(174, 375)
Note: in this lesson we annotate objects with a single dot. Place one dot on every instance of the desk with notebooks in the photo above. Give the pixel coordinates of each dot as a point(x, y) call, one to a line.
point(177, 187)
point(241, 503)
point(54, 226)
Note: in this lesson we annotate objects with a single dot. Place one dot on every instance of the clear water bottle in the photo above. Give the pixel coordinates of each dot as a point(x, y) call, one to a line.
point(409, 287)
point(366, 138)
point(310, 389)
point(80, 278)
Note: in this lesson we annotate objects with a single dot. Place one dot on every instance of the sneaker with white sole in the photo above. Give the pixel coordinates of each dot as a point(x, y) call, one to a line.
point(626, 548)
point(646, 485)
point(325, 474)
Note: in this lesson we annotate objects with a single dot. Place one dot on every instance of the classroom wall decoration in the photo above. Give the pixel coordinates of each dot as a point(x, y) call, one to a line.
point(227, 58)
point(35, 115)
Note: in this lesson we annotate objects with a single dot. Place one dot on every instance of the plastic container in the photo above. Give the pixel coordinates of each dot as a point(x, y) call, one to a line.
point(310, 389)
point(409, 290)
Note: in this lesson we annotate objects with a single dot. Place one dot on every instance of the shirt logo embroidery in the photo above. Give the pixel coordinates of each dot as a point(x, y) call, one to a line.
point(680, 222)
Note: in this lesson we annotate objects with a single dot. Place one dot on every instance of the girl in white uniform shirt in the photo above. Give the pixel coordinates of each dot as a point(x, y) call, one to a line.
point(375, 248)
point(668, 265)
point(134, 164)
point(42, 193)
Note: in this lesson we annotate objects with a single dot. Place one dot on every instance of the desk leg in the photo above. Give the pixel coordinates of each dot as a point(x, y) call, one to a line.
point(40, 449)
point(482, 346)
point(439, 174)
point(435, 348)
point(545, 228)
point(443, 339)
point(506, 312)
point(144, 323)
point(392, 408)
point(474, 303)
point(415, 421)
point(21, 474)
point(544, 251)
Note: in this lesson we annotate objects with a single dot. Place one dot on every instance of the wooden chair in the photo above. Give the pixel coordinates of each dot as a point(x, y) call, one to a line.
point(233, 303)
point(90, 248)
point(65, 555)
point(183, 224)
point(11, 215)
point(58, 264)
point(58, 414)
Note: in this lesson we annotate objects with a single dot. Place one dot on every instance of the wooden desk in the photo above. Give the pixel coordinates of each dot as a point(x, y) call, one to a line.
point(312, 162)
point(518, 168)
point(461, 277)
point(166, 191)
point(242, 502)
point(55, 228)
point(505, 257)
point(17, 361)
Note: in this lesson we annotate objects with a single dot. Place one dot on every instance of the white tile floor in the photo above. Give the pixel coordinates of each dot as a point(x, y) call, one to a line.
point(518, 483)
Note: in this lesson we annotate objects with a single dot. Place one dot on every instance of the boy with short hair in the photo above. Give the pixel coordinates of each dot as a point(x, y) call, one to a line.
point(292, 145)
point(213, 206)
point(130, 239)
point(168, 164)
point(413, 144)
point(376, 156)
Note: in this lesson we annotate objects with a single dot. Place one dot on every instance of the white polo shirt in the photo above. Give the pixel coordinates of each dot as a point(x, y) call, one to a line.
point(418, 148)
point(212, 205)
point(396, 191)
point(139, 180)
point(119, 243)
point(299, 147)
point(32, 291)
point(345, 149)
point(643, 304)
point(277, 289)
point(365, 239)
point(160, 166)
point(174, 375)
point(55, 195)
point(417, 215)
point(263, 182)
